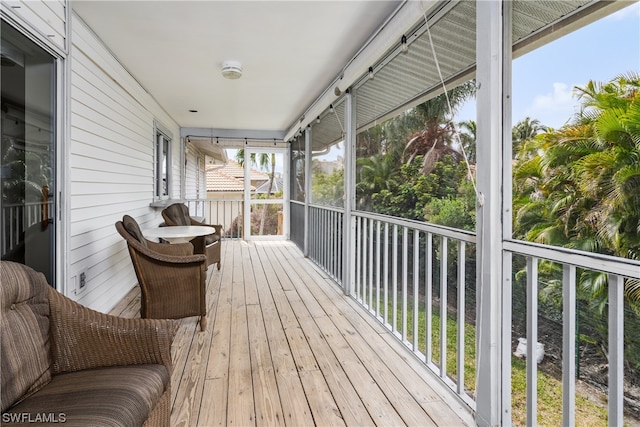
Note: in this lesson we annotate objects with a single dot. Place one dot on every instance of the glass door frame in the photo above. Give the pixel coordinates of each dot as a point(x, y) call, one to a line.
point(249, 202)
point(59, 85)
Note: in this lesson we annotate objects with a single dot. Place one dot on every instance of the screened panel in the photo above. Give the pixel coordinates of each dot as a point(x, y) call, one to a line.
point(330, 129)
point(297, 170)
point(405, 79)
point(414, 74)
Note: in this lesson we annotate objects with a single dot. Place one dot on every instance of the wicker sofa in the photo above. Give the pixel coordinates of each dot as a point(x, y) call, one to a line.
point(64, 363)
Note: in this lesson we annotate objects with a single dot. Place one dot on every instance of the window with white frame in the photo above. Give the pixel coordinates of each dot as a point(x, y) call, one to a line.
point(162, 148)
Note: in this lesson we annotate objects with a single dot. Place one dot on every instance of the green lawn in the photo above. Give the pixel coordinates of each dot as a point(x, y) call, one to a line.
point(588, 411)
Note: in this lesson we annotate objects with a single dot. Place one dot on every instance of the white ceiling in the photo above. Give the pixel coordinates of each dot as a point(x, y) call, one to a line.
point(290, 51)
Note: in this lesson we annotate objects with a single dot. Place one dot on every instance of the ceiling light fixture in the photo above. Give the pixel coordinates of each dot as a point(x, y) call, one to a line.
point(231, 70)
point(403, 44)
point(370, 72)
point(318, 119)
point(331, 108)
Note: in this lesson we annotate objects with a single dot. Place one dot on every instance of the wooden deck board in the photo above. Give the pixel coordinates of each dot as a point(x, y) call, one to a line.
point(284, 346)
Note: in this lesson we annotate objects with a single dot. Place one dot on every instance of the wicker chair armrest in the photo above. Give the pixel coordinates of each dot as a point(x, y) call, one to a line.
point(82, 338)
point(170, 258)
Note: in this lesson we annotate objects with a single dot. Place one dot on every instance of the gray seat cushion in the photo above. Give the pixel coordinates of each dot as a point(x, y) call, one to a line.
point(114, 396)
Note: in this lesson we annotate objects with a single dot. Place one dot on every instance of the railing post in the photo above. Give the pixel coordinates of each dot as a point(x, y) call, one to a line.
point(616, 350)
point(349, 193)
point(532, 341)
point(493, 392)
point(568, 345)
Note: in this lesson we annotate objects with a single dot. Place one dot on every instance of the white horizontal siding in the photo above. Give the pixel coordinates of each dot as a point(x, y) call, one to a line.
point(191, 191)
point(47, 18)
point(110, 168)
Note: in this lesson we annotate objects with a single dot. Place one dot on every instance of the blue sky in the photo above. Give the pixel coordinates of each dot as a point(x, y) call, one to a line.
point(544, 79)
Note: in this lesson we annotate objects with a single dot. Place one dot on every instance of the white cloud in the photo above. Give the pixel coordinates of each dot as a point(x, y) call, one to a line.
point(554, 108)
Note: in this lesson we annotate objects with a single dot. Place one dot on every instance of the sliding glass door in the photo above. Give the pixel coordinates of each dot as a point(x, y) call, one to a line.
point(28, 153)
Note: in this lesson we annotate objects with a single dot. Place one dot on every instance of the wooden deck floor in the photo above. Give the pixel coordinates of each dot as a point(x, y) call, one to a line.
point(284, 346)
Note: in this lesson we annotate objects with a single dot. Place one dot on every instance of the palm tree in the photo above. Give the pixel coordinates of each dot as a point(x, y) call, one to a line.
point(434, 140)
point(578, 186)
point(468, 135)
point(525, 130)
point(375, 174)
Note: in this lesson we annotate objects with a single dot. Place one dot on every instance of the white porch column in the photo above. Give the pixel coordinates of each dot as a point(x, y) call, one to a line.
point(307, 186)
point(349, 231)
point(493, 53)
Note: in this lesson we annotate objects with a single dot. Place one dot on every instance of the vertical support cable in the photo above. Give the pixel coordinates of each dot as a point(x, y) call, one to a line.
point(568, 345)
point(461, 315)
point(443, 305)
point(616, 350)
point(532, 341)
point(428, 296)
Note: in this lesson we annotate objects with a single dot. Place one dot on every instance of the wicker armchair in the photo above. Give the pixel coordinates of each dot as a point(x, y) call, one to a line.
point(65, 363)
point(178, 214)
point(171, 277)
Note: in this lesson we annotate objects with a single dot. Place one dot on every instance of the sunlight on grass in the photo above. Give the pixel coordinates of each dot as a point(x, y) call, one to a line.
point(588, 412)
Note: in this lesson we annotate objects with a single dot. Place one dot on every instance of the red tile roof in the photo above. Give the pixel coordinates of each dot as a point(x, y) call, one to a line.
point(230, 177)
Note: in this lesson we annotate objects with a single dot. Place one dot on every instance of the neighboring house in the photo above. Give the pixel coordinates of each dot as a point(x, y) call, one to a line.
point(235, 170)
point(277, 185)
point(225, 186)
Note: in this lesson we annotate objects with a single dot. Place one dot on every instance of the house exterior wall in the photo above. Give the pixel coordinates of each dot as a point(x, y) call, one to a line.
point(47, 18)
point(105, 153)
point(195, 180)
point(111, 168)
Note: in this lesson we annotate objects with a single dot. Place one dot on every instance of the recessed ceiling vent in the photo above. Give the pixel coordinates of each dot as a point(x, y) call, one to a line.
point(231, 70)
